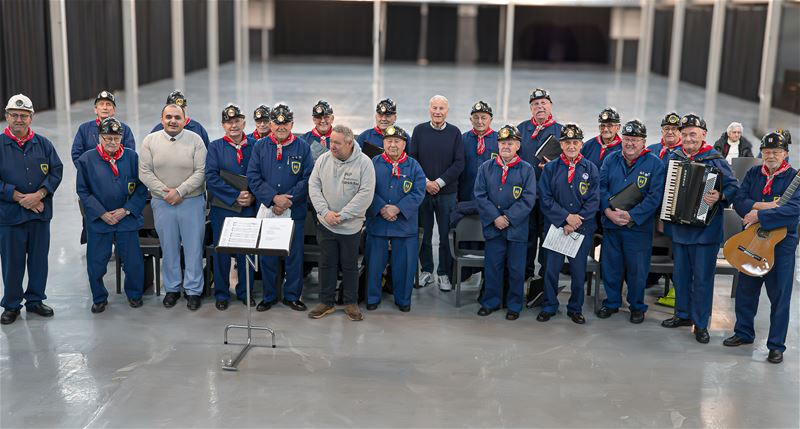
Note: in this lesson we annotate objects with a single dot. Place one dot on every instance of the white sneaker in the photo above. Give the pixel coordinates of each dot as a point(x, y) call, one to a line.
point(444, 284)
point(425, 279)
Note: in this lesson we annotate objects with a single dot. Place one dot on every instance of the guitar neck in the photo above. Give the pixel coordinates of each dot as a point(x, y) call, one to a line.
point(790, 190)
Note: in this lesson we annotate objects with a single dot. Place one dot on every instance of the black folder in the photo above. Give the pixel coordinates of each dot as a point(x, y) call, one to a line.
point(627, 198)
point(237, 181)
point(550, 149)
point(371, 150)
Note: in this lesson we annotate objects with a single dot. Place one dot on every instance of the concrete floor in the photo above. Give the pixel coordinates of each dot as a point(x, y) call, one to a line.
point(436, 366)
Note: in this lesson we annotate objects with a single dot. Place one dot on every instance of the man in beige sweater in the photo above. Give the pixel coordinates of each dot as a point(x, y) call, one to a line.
point(172, 165)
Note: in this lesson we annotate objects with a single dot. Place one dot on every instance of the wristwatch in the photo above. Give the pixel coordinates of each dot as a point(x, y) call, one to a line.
point(42, 193)
point(127, 212)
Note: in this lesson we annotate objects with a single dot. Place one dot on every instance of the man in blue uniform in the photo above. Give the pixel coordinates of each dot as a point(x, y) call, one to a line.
point(177, 97)
point(231, 154)
point(113, 199)
point(319, 137)
point(393, 219)
point(764, 198)
point(385, 116)
point(695, 248)
point(569, 196)
point(261, 117)
point(278, 177)
point(480, 145)
point(670, 136)
point(105, 106)
point(505, 190)
point(628, 231)
point(608, 141)
point(535, 132)
point(30, 172)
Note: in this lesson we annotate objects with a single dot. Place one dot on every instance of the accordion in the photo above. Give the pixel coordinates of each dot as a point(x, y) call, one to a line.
point(685, 185)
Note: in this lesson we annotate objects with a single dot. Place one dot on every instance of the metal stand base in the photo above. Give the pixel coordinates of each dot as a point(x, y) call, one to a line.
point(233, 365)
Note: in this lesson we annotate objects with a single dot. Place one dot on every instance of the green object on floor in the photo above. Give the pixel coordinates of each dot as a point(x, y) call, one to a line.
point(669, 300)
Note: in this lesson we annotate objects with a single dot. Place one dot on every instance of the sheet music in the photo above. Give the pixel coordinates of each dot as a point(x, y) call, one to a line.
point(267, 213)
point(276, 233)
point(240, 232)
point(565, 244)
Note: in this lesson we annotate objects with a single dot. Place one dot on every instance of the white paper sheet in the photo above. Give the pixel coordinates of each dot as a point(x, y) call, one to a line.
point(565, 244)
point(240, 232)
point(276, 233)
point(267, 213)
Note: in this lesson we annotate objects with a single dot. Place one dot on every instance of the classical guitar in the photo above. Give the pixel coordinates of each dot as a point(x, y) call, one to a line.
point(752, 251)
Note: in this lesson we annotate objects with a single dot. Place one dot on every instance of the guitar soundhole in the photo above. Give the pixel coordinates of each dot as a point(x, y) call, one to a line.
point(762, 233)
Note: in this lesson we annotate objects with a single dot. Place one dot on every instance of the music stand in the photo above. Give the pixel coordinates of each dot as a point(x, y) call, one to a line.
point(230, 245)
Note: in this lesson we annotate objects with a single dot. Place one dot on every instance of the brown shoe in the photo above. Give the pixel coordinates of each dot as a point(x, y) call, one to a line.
point(353, 312)
point(320, 311)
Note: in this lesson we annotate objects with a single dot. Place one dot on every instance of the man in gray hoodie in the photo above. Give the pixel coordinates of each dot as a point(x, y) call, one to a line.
point(341, 188)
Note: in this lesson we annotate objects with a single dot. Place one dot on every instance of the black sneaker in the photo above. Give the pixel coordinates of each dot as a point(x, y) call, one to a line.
point(221, 304)
point(99, 307)
point(637, 316)
point(171, 298)
point(194, 302)
point(135, 303)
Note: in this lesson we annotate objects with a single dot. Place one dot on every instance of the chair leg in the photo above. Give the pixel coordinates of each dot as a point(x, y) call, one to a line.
point(458, 285)
point(597, 291)
point(589, 284)
point(118, 266)
point(157, 261)
point(734, 284)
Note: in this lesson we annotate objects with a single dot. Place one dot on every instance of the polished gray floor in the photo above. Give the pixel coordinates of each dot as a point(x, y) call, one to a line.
point(437, 366)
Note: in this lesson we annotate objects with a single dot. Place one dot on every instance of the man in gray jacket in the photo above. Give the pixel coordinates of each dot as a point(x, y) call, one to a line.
point(341, 188)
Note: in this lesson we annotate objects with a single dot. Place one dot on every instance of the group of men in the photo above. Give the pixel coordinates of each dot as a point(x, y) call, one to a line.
point(412, 181)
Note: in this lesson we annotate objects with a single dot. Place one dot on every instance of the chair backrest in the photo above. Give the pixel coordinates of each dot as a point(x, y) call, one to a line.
point(149, 220)
point(469, 228)
point(742, 164)
point(732, 223)
point(310, 225)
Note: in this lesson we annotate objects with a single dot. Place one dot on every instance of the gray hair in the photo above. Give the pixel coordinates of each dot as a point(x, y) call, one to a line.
point(346, 131)
point(735, 125)
point(439, 98)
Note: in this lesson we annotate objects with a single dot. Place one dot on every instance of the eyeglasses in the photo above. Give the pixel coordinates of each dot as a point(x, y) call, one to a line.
point(15, 116)
point(608, 126)
point(111, 139)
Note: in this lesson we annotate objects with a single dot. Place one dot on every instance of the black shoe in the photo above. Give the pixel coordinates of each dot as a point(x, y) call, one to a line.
point(264, 305)
point(295, 305)
point(404, 308)
point(371, 307)
point(171, 298)
point(675, 321)
point(484, 311)
point(221, 304)
point(194, 302)
point(577, 318)
point(605, 312)
point(99, 307)
point(775, 356)
point(512, 315)
point(9, 316)
point(735, 341)
point(637, 316)
point(135, 303)
point(544, 316)
point(701, 335)
point(41, 309)
point(252, 302)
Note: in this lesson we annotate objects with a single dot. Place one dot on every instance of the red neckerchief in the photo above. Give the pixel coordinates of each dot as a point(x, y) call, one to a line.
point(630, 163)
point(616, 142)
point(703, 149)
point(547, 123)
point(770, 177)
point(21, 141)
point(395, 165)
point(322, 138)
point(97, 121)
point(514, 161)
point(279, 153)
point(665, 148)
point(481, 145)
point(112, 161)
point(571, 166)
point(378, 130)
point(242, 144)
point(258, 136)
point(187, 121)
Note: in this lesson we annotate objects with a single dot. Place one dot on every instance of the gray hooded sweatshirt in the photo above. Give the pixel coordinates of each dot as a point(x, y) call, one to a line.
point(345, 187)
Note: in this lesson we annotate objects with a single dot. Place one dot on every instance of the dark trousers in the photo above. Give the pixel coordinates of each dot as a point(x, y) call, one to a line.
point(338, 251)
point(222, 264)
point(98, 252)
point(439, 206)
point(22, 245)
point(694, 281)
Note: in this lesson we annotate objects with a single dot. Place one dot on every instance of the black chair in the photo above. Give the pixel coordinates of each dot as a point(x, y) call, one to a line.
point(150, 247)
point(732, 225)
point(469, 229)
point(741, 165)
point(662, 264)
